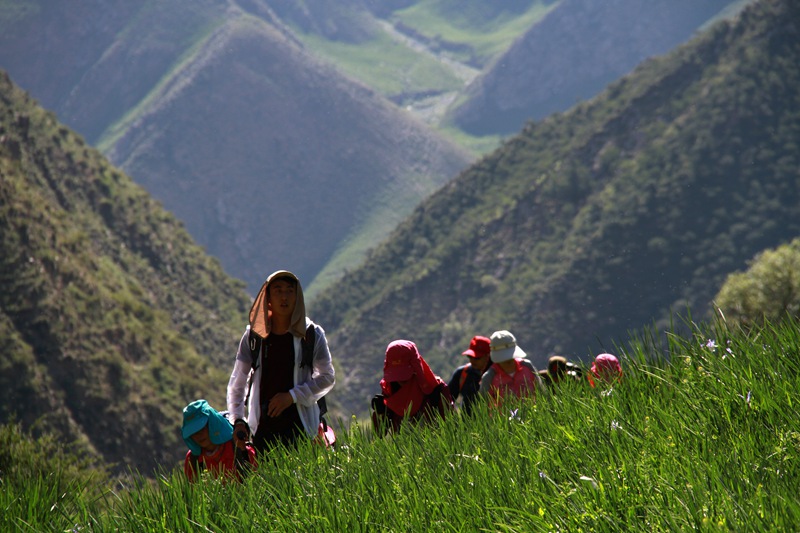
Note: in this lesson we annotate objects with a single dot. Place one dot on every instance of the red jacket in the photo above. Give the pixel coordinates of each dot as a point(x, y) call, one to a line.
point(222, 462)
point(500, 384)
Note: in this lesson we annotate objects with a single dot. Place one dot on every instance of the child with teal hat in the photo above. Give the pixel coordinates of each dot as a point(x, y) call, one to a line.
point(209, 437)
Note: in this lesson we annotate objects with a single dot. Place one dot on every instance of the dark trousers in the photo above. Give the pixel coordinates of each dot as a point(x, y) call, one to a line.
point(282, 430)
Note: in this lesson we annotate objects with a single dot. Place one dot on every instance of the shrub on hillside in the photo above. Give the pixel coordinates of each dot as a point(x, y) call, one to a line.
point(769, 291)
point(41, 483)
point(23, 456)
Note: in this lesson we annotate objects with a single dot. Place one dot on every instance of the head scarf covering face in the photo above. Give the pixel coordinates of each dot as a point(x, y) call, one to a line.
point(403, 359)
point(195, 417)
point(260, 317)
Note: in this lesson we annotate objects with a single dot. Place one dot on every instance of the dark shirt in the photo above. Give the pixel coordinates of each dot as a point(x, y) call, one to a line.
point(277, 375)
point(470, 387)
point(437, 404)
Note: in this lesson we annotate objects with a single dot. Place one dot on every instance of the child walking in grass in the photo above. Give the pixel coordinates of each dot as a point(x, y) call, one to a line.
point(209, 436)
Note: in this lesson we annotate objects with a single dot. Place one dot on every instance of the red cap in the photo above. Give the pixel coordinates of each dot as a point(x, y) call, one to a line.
point(478, 347)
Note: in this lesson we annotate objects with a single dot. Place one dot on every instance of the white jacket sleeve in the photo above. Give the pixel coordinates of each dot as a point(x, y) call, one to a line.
point(237, 384)
point(321, 378)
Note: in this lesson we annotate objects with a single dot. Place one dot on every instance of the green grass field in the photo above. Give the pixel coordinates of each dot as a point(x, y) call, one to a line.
point(453, 42)
point(386, 65)
point(708, 441)
point(488, 29)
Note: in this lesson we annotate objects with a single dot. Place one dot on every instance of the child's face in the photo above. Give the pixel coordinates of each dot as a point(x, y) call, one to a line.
point(202, 439)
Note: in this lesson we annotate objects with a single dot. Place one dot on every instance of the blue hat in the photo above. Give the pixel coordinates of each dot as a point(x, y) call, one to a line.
point(195, 417)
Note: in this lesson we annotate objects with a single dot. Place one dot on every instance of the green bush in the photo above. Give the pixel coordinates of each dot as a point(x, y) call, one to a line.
point(768, 291)
point(45, 487)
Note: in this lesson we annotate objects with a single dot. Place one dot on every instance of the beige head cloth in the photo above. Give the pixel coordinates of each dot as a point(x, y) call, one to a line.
point(259, 312)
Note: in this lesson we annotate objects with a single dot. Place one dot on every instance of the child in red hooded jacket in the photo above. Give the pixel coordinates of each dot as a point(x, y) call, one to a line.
point(209, 437)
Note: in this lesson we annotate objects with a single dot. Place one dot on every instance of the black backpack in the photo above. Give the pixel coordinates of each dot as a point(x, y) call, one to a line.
point(307, 343)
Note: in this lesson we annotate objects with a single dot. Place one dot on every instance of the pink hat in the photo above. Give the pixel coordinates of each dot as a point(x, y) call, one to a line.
point(606, 367)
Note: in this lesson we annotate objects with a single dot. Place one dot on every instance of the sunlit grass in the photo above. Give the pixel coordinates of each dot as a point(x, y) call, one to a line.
point(386, 65)
point(478, 146)
point(457, 23)
point(703, 436)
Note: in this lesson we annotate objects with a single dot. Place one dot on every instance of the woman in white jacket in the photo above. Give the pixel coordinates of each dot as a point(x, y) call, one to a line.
point(281, 390)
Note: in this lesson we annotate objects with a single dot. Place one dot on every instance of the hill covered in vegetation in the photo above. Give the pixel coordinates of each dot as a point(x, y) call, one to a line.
point(111, 318)
point(573, 54)
point(586, 225)
point(597, 221)
point(705, 442)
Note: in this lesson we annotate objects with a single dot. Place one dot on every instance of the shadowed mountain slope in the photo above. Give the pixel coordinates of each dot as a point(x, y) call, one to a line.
point(594, 222)
point(572, 54)
point(92, 62)
point(299, 157)
point(111, 318)
point(272, 159)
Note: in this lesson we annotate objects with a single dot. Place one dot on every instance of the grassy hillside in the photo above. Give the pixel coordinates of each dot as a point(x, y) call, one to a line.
point(95, 61)
point(209, 107)
point(705, 442)
point(597, 221)
point(111, 317)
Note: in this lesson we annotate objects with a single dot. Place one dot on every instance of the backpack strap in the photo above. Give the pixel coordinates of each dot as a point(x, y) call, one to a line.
point(308, 343)
point(464, 376)
point(256, 346)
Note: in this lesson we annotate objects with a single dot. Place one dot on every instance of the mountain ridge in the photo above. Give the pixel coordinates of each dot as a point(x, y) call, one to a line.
point(103, 66)
point(596, 222)
point(282, 118)
point(556, 64)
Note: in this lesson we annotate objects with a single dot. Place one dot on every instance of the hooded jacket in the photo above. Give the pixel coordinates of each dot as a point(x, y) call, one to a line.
point(417, 392)
point(310, 383)
point(198, 415)
point(222, 462)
